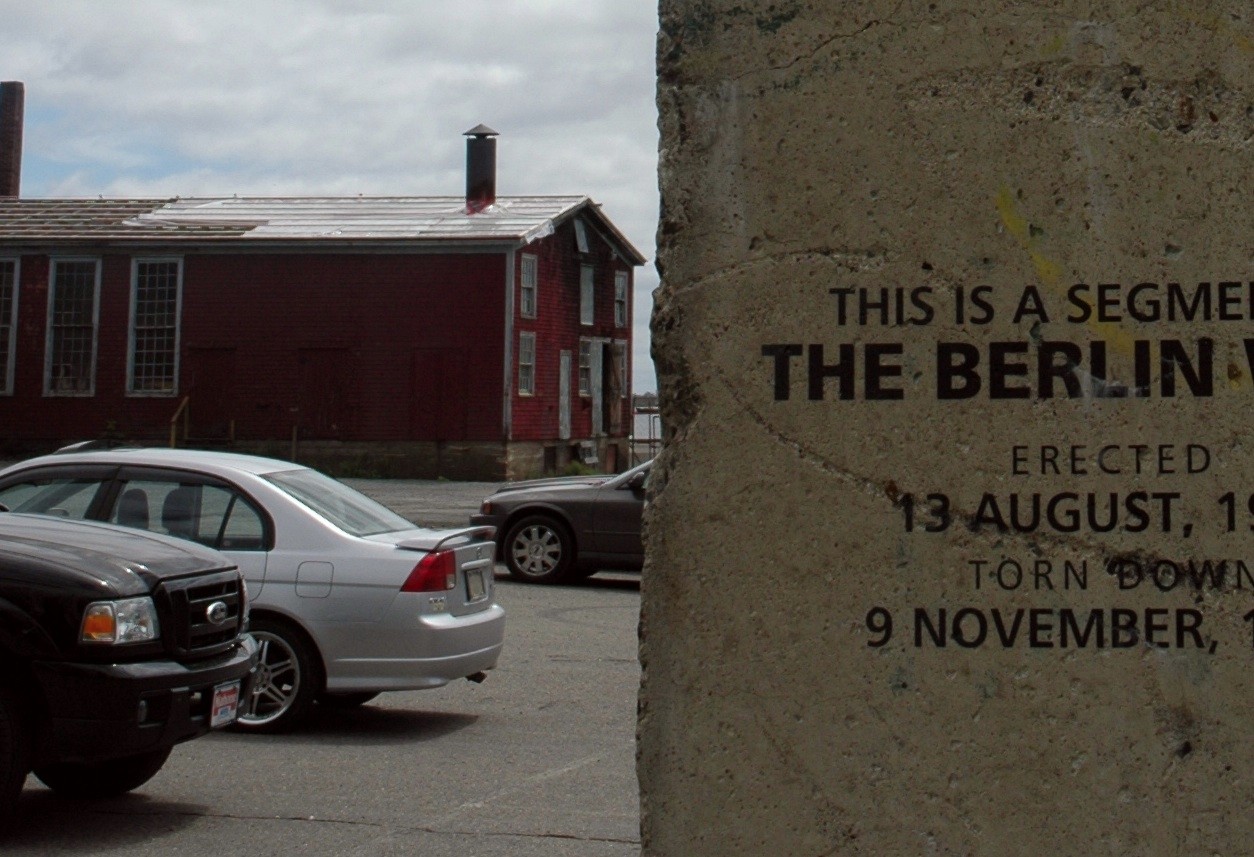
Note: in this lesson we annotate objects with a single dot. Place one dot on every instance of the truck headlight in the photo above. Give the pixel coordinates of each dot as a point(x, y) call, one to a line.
point(131, 620)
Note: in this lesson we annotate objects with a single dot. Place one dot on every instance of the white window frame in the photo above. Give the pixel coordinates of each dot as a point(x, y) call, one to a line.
point(526, 363)
point(9, 325)
point(581, 236)
point(585, 368)
point(529, 301)
point(587, 295)
point(50, 342)
point(621, 298)
point(132, 337)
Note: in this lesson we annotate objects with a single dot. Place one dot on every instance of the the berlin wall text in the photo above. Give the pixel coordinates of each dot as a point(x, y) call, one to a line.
point(1101, 344)
point(1108, 362)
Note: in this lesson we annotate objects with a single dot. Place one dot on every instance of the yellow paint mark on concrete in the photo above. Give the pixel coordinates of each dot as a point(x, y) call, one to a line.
point(1050, 274)
point(1215, 24)
point(1055, 45)
point(1048, 271)
point(1237, 379)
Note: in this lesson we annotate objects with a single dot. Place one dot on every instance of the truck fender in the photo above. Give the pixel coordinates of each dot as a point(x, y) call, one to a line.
point(21, 635)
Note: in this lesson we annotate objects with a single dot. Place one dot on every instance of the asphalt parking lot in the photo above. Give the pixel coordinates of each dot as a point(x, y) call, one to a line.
point(537, 760)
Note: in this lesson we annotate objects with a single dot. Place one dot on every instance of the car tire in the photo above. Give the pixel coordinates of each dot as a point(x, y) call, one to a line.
point(346, 700)
point(539, 549)
point(102, 779)
point(288, 679)
point(13, 758)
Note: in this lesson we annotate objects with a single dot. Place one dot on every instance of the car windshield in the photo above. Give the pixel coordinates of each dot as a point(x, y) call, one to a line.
point(351, 511)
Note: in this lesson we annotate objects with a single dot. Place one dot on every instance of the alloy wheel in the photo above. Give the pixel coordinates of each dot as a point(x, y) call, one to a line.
point(537, 550)
point(278, 681)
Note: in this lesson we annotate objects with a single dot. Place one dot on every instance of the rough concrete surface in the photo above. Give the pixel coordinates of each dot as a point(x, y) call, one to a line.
point(949, 548)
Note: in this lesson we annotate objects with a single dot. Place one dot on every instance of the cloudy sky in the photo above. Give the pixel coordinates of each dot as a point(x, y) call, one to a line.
point(342, 97)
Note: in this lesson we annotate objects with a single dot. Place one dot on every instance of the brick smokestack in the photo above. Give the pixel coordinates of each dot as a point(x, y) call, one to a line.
point(480, 168)
point(12, 102)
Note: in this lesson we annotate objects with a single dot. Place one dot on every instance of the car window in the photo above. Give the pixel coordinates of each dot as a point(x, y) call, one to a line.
point(62, 496)
point(237, 522)
point(344, 507)
point(213, 515)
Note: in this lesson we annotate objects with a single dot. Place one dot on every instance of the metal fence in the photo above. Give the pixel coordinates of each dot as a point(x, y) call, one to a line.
point(646, 432)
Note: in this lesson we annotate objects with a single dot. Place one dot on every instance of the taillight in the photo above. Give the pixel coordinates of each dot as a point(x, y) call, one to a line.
point(435, 572)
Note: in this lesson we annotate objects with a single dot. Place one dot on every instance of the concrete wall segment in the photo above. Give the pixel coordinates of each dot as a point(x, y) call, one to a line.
point(931, 150)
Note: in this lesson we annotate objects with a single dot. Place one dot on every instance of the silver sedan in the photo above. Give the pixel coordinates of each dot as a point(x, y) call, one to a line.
point(348, 599)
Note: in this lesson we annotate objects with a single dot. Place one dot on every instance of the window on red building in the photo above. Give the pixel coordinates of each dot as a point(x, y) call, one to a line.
point(152, 368)
point(530, 286)
point(585, 367)
point(72, 315)
point(526, 364)
point(586, 309)
point(581, 236)
point(620, 299)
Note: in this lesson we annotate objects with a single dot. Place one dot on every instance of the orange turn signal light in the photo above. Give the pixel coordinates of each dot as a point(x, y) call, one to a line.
point(99, 624)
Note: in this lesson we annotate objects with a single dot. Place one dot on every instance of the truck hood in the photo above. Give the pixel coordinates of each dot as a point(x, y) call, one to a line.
point(112, 560)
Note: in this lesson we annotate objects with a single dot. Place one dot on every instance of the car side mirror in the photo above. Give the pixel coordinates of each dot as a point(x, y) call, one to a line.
point(636, 483)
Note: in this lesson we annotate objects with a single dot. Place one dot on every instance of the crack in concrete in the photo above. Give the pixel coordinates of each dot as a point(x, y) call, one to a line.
point(524, 785)
point(837, 37)
point(850, 261)
point(1205, 110)
point(890, 491)
point(376, 825)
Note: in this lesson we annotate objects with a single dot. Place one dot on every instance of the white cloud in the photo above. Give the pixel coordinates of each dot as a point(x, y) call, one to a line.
point(184, 97)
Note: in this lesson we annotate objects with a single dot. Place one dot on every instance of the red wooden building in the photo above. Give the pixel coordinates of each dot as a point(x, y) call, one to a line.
point(479, 337)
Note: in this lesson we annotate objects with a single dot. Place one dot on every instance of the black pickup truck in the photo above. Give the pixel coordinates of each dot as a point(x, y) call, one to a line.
point(115, 645)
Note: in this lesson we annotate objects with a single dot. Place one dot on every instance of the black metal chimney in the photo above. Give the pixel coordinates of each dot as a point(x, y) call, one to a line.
point(12, 101)
point(480, 168)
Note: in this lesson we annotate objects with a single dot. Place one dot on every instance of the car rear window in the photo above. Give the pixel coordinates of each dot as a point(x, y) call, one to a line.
point(59, 496)
point(347, 509)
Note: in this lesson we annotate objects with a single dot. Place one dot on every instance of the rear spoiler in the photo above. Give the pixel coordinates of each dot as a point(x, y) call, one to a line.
point(439, 539)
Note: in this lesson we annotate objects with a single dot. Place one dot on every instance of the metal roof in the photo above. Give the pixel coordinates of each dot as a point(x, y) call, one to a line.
point(436, 219)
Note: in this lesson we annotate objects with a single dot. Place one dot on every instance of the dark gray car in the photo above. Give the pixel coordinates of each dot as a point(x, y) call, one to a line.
point(561, 529)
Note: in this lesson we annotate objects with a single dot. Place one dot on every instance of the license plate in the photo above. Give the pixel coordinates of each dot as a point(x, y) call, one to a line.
point(225, 705)
point(474, 584)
